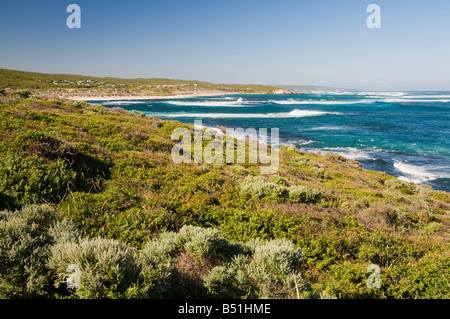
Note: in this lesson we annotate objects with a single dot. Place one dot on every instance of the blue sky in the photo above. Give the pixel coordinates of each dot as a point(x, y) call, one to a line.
point(320, 42)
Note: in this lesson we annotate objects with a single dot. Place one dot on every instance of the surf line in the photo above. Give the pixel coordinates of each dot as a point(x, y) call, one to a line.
point(256, 143)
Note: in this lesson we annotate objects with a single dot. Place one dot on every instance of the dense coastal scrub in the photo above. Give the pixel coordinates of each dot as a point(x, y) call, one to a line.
point(95, 187)
point(39, 248)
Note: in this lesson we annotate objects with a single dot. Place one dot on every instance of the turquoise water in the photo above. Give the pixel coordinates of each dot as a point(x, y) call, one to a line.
point(405, 134)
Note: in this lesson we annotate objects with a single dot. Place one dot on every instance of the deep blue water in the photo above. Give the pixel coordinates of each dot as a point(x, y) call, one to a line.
point(405, 134)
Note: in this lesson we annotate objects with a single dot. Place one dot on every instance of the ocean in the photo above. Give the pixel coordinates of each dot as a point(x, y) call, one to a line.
point(405, 134)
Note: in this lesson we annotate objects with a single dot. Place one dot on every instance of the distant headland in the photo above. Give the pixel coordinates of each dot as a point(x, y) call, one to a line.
point(81, 87)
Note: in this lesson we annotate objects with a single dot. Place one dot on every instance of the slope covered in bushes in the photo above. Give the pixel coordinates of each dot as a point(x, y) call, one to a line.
point(39, 252)
point(109, 173)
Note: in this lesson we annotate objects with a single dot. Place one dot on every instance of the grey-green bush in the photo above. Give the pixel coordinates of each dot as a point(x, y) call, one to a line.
point(304, 194)
point(270, 270)
point(208, 243)
point(230, 280)
point(402, 186)
point(275, 268)
point(39, 250)
point(205, 243)
point(64, 231)
point(256, 187)
point(108, 267)
point(163, 249)
point(24, 249)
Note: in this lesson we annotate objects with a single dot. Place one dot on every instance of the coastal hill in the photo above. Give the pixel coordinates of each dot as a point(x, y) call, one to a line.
point(92, 187)
point(80, 86)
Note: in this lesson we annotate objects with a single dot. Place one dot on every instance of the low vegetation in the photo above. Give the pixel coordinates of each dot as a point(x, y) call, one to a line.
point(95, 187)
point(40, 251)
point(69, 85)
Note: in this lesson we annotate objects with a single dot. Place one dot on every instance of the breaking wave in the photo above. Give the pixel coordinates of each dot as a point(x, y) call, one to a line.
point(293, 113)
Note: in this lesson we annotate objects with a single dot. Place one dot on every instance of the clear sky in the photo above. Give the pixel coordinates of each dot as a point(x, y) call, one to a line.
point(315, 42)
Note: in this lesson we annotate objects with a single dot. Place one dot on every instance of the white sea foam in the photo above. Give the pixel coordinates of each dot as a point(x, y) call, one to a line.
point(231, 102)
point(403, 100)
point(357, 155)
point(302, 142)
point(286, 102)
point(236, 103)
point(293, 114)
point(238, 134)
point(337, 93)
point(382, 93)
point(219, 131)
point(427, 97)
point(419, 174)
point(324, 128)
point(328, 92)
point(122, 102)
point(318, 102)
point(352, 153)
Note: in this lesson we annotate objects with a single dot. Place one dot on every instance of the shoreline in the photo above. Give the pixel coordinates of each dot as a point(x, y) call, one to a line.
point(147, 97)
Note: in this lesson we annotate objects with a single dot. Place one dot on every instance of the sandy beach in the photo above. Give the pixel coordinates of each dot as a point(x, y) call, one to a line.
point(144, 97)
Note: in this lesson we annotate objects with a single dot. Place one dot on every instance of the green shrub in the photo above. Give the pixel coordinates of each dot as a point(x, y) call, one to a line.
point(76, 104)
point(239, 170)
point(33, 181)
point(279, 180)
point(6, 201)
point(320, 172)
point(433, 227)
point(96, 109)
point(108, 213)
point(427, 278)
point(22, 93)
point(349, 280)
point(304, 194)
point(292, 148)
point(403, 187)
